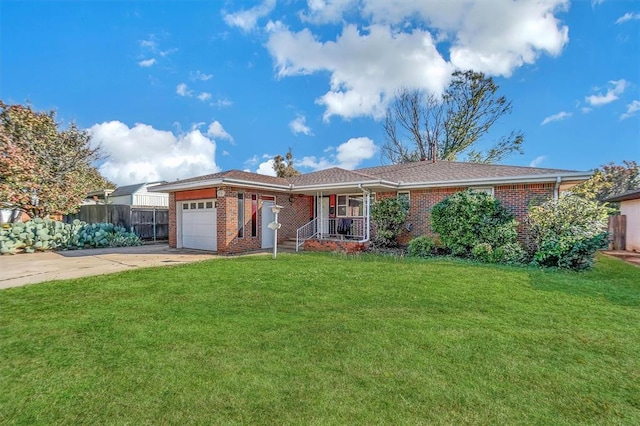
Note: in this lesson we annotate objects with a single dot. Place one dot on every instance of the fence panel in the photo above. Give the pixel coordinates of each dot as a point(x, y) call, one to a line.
point(617, 232)
point(147, 223)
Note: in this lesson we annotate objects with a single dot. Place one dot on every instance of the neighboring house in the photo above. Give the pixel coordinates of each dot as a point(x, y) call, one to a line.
point(12, 215)
point(136, 195)
point(228, 212)
point(630, 207)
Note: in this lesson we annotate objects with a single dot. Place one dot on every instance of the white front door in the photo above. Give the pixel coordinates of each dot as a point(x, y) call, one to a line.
point(199, 224)
point(324, 215)
point(267, 218)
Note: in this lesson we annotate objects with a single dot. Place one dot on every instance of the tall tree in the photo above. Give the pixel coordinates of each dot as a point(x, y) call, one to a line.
point(43, 169)
point(610, 180)
point(425, 126)
point(283, 166)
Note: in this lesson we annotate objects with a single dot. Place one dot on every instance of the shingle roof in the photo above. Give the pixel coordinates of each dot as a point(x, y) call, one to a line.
point(422, 172)
point(625, 196)
point(334, 175)
point(235, 175)
point(441, 171)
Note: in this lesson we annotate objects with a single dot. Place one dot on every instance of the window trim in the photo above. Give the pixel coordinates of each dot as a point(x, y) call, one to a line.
point(486, 189)
point(349, 197)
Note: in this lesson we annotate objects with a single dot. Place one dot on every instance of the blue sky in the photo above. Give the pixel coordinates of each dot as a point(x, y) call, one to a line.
point(174, 89)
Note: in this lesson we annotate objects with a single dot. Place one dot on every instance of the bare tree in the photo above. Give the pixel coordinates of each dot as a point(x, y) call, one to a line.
point(425, 126)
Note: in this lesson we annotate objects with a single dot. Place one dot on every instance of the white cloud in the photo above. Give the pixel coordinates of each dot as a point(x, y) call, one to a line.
point(628, 17)
point(246, 19)
point(266, 168)
point(614, 90)
point(147, 62)
point(366, 67)
point(148, 44)
point(348, 155)
point(204, 96)
point(183, 90)
point(216, 130)
point(537, 161)
point(198, 75)
point(586, 110)
point(632, 109)
point(556, 117)
point(396, 46)
point(221, 103)
point(142, 153)
point(297, 125)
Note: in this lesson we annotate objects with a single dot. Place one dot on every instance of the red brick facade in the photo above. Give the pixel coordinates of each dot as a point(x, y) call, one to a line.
point(298, 210)
point(340, 246)
point(516, 198)
point(294, 214)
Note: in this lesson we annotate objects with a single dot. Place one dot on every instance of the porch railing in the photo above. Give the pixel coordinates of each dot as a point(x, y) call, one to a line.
point(351, 228)
point(305, 232)
point(340, 228)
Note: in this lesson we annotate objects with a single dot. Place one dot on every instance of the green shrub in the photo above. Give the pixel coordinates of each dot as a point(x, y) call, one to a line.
point(567, 232)
point(467, 218)
point(388, 216)
point(422, 247)
point(45, 234)
point(510, 253)
point(483, 252)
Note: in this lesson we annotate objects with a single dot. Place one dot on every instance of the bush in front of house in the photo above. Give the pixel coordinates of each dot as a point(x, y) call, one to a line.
point(567, 232)
point(46, 234)
point(476, 225)
point(422, 247)
point(388, 216)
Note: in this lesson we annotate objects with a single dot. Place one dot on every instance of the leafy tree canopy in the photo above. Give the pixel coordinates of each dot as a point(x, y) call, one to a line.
point(610, 180)
point(283, 166)
point(44, 169)
point(425, 126)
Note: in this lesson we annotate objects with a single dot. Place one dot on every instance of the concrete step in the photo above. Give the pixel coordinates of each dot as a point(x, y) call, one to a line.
point(288, 246)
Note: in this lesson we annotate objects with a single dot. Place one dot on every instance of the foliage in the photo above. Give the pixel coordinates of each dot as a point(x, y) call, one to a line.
point(363, 340)
point(422, 247)
point(610, 180)
point(388, 216)
point(567, 232)
point(509, 253)
point(44, 169)
point(420, 126)
point(466, 219)
point(46, 234)
point(284, 166)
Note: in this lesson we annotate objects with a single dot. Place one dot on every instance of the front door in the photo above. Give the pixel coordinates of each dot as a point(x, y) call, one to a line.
point(267, 218)
point(324, 215)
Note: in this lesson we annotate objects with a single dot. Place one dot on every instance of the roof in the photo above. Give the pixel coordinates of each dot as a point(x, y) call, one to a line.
point(131, 189)
point(394, 177)
point(634, 194)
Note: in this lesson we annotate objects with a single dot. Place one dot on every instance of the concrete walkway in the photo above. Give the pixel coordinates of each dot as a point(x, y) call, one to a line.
point(21, 269)
point(627, 256)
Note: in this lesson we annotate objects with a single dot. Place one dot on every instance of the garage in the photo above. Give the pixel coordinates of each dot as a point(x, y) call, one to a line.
point(199, 224)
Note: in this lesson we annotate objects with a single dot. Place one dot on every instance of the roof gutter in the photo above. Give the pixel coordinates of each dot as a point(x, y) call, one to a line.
point(498, 181)
point(343, 185)
point(187, 186)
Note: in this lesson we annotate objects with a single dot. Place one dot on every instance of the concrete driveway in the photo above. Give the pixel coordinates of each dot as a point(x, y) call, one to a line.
point(21, 269)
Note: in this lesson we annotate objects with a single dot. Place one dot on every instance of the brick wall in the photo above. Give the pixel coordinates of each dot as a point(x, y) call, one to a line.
point(516, 198)
point(335, 246)
point(293, 215)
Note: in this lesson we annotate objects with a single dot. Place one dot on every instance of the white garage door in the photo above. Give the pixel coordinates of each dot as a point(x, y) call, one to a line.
point(199, 225)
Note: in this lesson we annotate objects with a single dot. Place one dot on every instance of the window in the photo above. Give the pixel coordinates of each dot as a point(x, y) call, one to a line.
point(240, 215)
point(485, 189)
point(185, 206)
point(404, 195)
point(254, 215)
point(350, 205)
point(193, 206)
point(209, 204)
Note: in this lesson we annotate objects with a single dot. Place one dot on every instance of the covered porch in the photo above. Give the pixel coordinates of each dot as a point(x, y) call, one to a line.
point(341, 217)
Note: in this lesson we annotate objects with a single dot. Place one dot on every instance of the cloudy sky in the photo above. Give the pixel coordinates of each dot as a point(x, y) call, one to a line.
point(175, 89)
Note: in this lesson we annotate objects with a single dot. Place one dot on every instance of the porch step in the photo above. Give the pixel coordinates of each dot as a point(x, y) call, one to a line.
point(289, 246)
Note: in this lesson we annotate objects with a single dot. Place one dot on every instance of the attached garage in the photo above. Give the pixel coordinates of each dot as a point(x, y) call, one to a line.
point(198, 224)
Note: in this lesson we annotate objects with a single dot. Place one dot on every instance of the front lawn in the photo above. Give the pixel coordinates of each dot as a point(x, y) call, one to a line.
point(325, 339)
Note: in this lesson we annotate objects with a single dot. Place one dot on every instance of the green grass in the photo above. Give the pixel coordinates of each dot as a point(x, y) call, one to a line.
point(325, 339)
